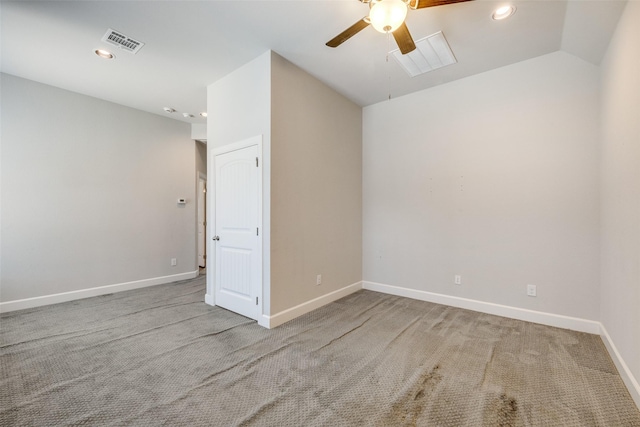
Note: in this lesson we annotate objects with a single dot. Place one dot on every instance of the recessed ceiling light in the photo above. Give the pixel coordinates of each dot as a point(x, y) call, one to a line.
point(503, 12)
point(104, 54)
point(169, 110)
point(186, 115)
point(203, 114)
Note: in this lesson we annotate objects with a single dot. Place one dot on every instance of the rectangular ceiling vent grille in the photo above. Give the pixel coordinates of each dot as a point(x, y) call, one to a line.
point(431, 53)
point(116, 38)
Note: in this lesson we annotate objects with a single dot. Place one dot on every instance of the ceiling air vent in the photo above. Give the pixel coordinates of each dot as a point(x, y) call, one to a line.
point(431, 52)
point(116, 38)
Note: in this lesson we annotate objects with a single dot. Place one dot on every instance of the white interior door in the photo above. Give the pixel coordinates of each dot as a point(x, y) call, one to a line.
point(238, 258)
point(202, 202)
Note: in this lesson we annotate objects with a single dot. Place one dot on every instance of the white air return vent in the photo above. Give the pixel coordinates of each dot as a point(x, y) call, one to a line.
point(431, 52)
point(116, 38)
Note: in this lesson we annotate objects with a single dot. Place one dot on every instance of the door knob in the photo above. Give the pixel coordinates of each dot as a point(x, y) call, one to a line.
point(216, 237)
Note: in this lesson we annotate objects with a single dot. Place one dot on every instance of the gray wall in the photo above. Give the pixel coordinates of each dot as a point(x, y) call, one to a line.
point(89, 192)
point(311, 175)
point(620, 282)
point(316, 187)
point(493, 177)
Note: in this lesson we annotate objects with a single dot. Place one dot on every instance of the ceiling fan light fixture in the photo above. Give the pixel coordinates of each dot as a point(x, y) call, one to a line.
point(503, 12)
point(387, 15)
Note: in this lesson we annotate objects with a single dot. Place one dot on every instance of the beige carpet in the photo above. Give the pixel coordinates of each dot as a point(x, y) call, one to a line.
point(160, 356)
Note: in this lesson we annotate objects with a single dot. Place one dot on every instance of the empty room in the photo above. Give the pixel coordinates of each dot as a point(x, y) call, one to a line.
point(320, 213)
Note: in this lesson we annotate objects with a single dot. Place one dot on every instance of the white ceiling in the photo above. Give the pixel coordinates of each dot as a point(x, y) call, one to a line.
point(191, 44)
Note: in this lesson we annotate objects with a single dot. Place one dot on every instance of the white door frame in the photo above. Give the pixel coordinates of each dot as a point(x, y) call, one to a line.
point(201, 177)
point(211, 217)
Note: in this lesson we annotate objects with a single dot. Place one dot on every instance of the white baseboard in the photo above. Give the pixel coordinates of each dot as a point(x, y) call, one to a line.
point(293, 312)
point(557, 320)
point(208, 299)
point(22, 304)
point(624, 371)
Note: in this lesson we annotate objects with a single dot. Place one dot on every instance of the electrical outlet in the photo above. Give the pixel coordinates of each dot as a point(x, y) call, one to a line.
point(174, 262)
point(531, 290)
point(457, 279)
point(319, 279)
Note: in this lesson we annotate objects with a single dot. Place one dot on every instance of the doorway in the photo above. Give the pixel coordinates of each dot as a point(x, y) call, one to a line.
point(236, 227)
point(201, 206)
point(202, 222)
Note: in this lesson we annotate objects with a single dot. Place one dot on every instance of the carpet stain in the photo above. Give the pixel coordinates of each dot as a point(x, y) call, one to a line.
point(414, 399)
point(502, 412)
point(192, 365)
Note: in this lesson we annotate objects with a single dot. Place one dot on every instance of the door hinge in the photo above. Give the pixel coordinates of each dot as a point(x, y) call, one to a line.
point(257, 231)
point(256, 162)
point(256, 300)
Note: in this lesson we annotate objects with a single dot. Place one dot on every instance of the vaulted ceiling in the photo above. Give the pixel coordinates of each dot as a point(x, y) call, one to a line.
point(191, 44)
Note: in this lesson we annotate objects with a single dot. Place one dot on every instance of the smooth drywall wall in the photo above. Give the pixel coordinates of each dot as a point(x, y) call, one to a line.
point(494, 178)
point(316, 188)
point(239, 108)
point(238, 105)
point(199, 131)
point(89, 191)
point(620, 201)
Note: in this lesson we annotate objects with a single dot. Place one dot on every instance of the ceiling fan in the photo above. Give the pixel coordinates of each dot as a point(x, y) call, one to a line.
point(387, 16)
